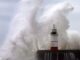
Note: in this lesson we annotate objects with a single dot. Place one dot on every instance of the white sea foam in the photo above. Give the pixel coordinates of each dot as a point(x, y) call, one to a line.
point(27, 35)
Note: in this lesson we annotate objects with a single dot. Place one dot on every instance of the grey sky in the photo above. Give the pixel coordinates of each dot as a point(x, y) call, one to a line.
point(8, 7)
point(7, 10)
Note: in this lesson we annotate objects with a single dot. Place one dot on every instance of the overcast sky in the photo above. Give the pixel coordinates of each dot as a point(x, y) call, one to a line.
point(8, 7)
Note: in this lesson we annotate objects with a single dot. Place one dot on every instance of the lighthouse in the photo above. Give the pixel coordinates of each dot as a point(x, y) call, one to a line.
point(54, 39)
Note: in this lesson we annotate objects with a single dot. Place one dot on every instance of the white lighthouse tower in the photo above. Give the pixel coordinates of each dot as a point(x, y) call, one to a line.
point(54, 39)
